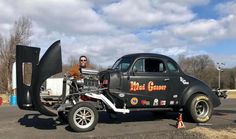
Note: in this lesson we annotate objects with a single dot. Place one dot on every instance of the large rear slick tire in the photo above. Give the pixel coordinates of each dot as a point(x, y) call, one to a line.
point(83, 117)
point(199, 108)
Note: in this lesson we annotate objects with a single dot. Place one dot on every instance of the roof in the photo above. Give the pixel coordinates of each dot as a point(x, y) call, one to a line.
point(152, 55)
point(136, 55)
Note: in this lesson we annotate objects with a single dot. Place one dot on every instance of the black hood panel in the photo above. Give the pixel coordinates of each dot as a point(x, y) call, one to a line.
point(28, 97)
point(25, 54)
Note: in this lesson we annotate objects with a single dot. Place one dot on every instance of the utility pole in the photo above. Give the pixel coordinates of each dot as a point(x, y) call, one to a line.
point(219, 68)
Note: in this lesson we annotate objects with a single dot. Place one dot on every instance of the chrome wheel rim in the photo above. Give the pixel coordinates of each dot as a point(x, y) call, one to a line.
point(202, 108)
point(83, 117)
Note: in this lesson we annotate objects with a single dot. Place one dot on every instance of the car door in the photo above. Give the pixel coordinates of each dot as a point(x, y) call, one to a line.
point(176, 83)
point(148, 83)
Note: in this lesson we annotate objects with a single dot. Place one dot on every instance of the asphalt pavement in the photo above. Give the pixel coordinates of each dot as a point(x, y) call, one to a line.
point(20, 124)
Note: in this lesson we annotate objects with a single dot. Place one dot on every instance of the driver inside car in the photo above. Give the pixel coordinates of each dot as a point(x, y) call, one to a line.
point(75, 71)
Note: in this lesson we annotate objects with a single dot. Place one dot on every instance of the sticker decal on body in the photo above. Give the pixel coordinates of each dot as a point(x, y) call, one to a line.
point(184, 81)
point(134, 101)
point(121, 95)
point(145, 102)
point(172, 102)
point(175, 96)
point(163, 103)
point(155, 102)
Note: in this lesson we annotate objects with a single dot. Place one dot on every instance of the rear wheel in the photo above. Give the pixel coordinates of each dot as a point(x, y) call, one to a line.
point(199, 108)
point(83, 117)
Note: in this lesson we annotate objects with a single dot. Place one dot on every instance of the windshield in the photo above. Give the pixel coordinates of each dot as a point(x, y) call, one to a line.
point(122, 64)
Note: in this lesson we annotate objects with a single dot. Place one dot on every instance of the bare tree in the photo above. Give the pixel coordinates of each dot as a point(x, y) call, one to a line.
point(201, 66)
point(20, 34)
point(73, 60)
point(228, 78)
point(3, 59)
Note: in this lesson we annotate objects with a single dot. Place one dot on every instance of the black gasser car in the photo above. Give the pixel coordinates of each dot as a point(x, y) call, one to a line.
point(136, 82)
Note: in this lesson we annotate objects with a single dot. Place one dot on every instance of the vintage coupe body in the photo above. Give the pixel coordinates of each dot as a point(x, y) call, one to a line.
point(136, 82)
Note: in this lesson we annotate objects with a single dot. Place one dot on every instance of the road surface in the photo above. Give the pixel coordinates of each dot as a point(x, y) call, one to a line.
point(20, 124)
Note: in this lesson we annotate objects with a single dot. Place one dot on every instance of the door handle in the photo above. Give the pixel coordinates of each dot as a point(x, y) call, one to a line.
point(166, 79)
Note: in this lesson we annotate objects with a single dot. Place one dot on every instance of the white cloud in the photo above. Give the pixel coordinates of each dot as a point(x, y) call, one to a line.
point(140, 13)
point(229, 60)
point(166, 39)
point(70, 16)
point(105, 49)
point(229, 23)
point(106, 30)
point(226, 8)
point(196, 33)
point(4, 28)
point(6, 13)
point(6, 18)
point(228, 12)
point(174, 51)
point(199, 30)
point(189, 3)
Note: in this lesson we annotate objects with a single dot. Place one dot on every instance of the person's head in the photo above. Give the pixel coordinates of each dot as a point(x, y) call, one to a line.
point(83, 61)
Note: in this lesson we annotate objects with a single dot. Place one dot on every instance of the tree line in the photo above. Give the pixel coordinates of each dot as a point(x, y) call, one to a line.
point(201, 66)
point(204, 68)
point(19, 34)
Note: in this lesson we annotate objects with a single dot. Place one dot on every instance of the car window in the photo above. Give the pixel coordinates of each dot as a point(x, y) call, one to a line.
point(139, 66)
point(172, 67)
point(154, 65)
point(116, 64)
point(122, 64)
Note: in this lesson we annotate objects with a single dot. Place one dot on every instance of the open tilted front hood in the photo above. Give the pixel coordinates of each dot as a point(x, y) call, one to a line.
point(28, 96)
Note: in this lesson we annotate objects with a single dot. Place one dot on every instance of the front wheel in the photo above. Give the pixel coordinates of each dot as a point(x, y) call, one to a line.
point(199, 108)
point(83, 117)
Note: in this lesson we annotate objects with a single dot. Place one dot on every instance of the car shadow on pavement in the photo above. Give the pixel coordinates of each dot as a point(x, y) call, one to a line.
point(223, 112)
point(140, 116)
point(136, 117)
point(38, 121)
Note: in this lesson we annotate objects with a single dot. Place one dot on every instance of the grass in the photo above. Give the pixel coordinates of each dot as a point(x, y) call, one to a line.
point(231, 94)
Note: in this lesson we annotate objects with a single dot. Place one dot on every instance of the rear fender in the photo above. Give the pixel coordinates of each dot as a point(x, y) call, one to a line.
point(200, 89)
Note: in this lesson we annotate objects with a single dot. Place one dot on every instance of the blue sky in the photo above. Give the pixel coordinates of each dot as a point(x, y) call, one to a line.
point(224, 46)
point(227, 47)
point(105, 30)
point(207, 11)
